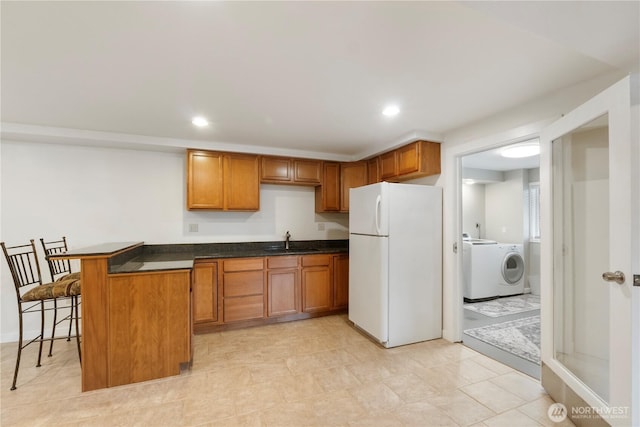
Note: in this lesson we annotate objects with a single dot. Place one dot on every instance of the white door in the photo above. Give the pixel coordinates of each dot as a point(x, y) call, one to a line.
point(369, 210)
point(369, 284)
point(588, 217)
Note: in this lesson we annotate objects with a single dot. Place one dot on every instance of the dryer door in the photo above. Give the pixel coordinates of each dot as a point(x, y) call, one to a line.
point(512, 268)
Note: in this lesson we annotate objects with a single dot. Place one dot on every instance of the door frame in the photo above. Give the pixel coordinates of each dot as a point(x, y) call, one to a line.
point(453, 314)
point(614, 101)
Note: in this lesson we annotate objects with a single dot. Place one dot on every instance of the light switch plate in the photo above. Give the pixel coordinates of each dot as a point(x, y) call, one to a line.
point(193, 228)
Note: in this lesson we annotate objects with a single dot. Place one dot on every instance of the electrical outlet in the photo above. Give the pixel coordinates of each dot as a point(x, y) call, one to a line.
point(321, 226)
point(193, 228)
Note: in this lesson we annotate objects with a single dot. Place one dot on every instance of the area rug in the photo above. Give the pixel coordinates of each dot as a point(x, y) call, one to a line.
point(520, 337)
point(505, 306)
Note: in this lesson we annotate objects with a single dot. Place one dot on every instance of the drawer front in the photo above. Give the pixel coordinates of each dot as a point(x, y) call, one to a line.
point(315, 260)
point(282, 262)
point(243, 264)
point(243, 283)
point(243, 308)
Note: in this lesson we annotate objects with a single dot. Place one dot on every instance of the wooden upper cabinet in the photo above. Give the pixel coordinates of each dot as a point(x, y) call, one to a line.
point(352, 175)
point(276, 170)
point(388, 165)
point(226, 181)
point(283, 170)
point(241, 182)
point(328, 193)
point(373, 170)
point(307, 172)
point(418, 159)
point(204, 180)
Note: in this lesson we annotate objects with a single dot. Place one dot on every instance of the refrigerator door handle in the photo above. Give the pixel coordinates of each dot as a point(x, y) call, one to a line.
point(378, 203)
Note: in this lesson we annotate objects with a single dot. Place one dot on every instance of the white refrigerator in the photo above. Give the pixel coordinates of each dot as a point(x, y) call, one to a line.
point(395, 262)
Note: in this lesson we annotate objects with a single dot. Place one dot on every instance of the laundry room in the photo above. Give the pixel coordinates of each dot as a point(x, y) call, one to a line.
point(501, 254)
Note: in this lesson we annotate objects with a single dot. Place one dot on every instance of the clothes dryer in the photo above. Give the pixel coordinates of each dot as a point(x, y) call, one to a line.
point(511, 271)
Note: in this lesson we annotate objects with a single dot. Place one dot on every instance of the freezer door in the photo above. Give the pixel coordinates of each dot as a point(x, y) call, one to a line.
point(368, 284)
point(369, 210)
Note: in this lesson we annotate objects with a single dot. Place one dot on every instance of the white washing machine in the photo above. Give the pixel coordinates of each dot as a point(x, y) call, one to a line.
point(511, 277)
point(480, 269)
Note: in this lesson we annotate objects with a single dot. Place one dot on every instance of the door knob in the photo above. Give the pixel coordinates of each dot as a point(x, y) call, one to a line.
point(617, 277)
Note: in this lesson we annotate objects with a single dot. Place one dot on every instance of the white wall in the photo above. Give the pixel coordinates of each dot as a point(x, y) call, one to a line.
point(92, 195)
point(504, 203)
point(473, 209)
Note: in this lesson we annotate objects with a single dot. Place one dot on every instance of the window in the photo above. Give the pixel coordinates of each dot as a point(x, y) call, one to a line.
point(534, 212)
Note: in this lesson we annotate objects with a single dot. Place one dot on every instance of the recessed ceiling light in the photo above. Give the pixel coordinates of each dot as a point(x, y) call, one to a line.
point(200, 122)
point(391, 110)
point(468, 181)
point(520, 151)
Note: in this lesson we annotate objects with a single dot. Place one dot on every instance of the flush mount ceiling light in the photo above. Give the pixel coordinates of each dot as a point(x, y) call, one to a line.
point(200, 122)
point(391, 110)
point(521, 150)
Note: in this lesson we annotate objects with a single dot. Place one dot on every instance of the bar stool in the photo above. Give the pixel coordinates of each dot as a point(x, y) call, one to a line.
point(32, 295)
point(60, 269)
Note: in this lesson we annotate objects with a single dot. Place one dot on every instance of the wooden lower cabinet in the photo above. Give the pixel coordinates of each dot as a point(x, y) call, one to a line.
point(241, 292)
point(316, 283)
point(283, 286)
point(149, 329)
point(340, 281)
point(243, 289)
point(205, 292)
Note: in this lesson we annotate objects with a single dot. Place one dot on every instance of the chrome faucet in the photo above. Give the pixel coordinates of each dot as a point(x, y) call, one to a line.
point(286, 241)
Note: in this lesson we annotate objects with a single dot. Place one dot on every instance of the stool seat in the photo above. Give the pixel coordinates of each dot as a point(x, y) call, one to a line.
point(58, 289)
point(74, 276)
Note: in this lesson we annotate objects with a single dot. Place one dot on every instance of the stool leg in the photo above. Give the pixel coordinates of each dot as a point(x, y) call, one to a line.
point(75, 304)
point(53, 328)
point(41, 332)
point(15, 373)
point(71, 320)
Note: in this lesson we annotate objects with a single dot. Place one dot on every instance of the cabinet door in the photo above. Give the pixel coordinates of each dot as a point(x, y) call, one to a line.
point(276, 170)
point(328, 194)
point(340, 281)
point(352, 175)
point(283, 292)
point(388, 165)
point(307, 172)
point(241, 182)
point(204, 180)
point(205, 292)
point(373, 170)
point(316, 283)
point(408, 158)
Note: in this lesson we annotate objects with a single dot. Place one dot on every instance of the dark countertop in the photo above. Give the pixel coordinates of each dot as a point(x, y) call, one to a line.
point(182, 256)
point(102, 249)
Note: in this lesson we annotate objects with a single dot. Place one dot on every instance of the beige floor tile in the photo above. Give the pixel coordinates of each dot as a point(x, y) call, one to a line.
point(463, 409)
point(537, 410)
point(420, 414)
point(510, 419)
point(492, 396)
point(336, 378)
point(410, 387)
point(376, 398)
point(521, 385)
point(314, 372)
point(337, 408)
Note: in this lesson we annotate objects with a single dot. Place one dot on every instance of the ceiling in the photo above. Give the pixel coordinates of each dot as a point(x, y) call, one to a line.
point(301, 77)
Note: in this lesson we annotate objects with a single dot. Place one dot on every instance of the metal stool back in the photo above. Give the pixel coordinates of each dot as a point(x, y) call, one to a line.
point(32, 295)
point(60, 269)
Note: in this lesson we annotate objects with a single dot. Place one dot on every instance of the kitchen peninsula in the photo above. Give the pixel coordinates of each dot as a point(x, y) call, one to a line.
point(139, 311)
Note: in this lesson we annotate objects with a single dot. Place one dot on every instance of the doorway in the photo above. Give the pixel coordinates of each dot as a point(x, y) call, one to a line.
point(501, 254)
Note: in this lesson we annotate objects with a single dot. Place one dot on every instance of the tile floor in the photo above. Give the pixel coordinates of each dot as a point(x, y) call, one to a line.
point(318, 372)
